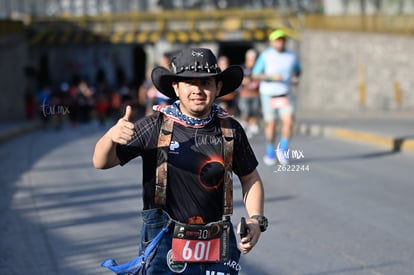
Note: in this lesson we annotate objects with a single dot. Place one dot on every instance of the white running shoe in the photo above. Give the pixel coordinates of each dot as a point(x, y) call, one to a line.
point(282, 156)
point(269, 161)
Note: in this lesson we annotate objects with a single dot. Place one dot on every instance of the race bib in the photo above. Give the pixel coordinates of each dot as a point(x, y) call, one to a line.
point(201, 243)
point(279, 102)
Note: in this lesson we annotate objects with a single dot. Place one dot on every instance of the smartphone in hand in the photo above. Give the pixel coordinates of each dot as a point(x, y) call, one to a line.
point(244, 230)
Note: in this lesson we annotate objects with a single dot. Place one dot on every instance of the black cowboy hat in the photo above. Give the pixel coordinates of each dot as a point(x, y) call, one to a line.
point(195, 63)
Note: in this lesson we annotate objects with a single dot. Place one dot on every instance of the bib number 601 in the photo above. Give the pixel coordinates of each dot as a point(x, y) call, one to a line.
point(198, 250)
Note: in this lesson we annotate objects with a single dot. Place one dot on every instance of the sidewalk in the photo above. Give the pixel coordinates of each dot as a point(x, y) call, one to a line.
point(391, 130)
point(9, 130)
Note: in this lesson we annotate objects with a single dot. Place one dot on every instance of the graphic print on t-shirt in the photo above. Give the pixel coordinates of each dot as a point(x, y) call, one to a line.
point(208, 167)
point(211, 170)
point(211, 173)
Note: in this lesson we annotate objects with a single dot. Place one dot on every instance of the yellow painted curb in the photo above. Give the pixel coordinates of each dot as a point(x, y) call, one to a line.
point(407, 145)
point(365, 137)
point(396, 144)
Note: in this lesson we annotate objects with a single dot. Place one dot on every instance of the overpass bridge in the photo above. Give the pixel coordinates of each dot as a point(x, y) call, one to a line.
point(80, 45)
point(173, 26)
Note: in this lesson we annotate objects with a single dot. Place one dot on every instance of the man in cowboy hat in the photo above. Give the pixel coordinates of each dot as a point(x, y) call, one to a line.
point(188, 161)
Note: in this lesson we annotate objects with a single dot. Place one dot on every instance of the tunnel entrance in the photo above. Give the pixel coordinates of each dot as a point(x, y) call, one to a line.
point(234, 51)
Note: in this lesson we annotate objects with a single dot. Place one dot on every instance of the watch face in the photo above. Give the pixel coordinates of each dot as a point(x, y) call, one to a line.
point(263, 222)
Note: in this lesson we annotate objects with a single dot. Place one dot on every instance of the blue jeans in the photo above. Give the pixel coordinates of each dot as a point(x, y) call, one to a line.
point(153, 221)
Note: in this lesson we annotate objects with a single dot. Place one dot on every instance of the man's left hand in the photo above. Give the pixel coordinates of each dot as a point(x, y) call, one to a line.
point(250, 240)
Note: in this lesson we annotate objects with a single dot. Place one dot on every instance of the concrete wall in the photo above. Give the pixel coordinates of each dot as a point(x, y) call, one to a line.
point(335, 64)
point(13, 55)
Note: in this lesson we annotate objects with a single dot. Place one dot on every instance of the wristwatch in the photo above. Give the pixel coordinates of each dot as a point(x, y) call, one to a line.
point(263, 222)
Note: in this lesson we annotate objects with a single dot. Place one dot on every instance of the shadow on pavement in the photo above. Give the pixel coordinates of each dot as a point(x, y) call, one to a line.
point(31, 241)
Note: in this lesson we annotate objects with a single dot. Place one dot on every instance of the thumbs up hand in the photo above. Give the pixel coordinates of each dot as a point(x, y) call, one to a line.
point(124, 129)
point(128, 112)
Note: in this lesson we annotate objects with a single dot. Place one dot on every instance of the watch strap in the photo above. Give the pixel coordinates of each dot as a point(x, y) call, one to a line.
point(263, 222)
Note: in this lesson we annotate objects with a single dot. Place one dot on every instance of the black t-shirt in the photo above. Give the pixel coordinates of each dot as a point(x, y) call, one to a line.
point(195, 166)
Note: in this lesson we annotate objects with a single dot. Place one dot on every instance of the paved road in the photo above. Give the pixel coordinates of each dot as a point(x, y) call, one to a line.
point(351, 213)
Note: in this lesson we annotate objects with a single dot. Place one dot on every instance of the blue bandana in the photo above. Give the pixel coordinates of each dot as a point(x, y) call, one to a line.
point(173, 111)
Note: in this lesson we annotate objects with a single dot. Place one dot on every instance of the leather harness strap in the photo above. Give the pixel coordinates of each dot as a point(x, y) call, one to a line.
point(228, 142)
point(164, 140)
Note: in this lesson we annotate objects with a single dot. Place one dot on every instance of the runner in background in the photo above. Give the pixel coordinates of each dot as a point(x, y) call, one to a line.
point(249, 101)
point(277, 69)
point(229, 101)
